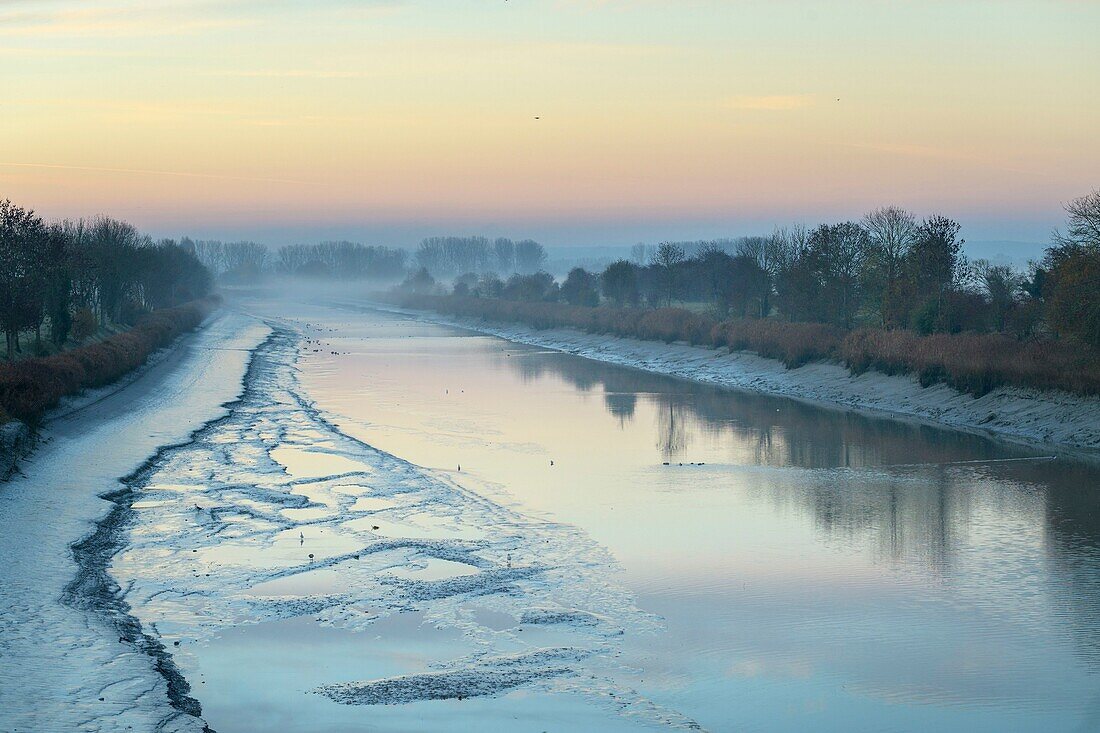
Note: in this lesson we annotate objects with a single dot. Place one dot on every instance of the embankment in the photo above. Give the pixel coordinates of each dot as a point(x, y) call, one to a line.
point(29, 387)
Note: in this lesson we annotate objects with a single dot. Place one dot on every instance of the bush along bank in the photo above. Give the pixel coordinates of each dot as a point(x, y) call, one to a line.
point(30, 387)
point(972, 363)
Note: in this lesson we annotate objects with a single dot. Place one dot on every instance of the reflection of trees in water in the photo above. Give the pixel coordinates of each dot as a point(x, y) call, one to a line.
point(672, 430)
point(1072, 498)
point(776, 431)
point(919, 516)
point(621, 405)
point(919, 512)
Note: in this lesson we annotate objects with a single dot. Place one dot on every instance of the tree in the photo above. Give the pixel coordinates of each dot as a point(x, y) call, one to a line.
point(745, 285)
point(667, 260)
point(1070, 273)
point(504, 252)
point(538, 286)
point(891, 232)
point(934, 260)
point(112, 247)
point(58, 287)
point(620, 283)
point(465, 283)
point(934, 267)
point(244, 261)
point(420, 282)
point(1000, 284)
point(530, 256)
point(712, 275)
point(771, 255)
point(828, 273)
point(445, 256)
point(488, 286)
point(170, 273)
point(1083, 226)
point(580, 288)
point(22, 238)
point(1074, 303)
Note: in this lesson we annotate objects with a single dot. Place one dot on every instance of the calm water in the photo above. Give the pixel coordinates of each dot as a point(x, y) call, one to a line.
point(807, 569)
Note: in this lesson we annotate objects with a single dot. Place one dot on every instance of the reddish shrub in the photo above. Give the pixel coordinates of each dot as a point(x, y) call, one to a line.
point(794, 344)
point(30, 387)
point(974, 363)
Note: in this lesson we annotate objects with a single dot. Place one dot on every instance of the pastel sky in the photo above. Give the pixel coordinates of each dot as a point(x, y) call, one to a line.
point(387, 120)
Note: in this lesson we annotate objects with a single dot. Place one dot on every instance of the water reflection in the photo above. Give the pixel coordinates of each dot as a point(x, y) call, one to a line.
point(621, 405)
point(937, 501)
point(781, 431)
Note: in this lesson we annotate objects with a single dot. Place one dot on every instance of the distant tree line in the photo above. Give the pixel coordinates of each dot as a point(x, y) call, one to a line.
point(68, 278)
point(438, 257)
point(248, 261)
point(889, 270)
point(451, 256)
point(342, 260)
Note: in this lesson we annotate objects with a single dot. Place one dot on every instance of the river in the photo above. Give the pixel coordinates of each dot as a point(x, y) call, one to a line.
point(404, 526)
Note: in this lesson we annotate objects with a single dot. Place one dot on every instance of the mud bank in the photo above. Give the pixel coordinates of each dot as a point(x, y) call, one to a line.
point(272, 517)
point(73, 667)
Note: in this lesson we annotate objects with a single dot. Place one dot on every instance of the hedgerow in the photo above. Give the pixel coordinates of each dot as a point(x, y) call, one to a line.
point(29, 387)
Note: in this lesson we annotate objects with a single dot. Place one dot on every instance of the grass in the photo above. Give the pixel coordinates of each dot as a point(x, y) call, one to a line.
point(970, 362)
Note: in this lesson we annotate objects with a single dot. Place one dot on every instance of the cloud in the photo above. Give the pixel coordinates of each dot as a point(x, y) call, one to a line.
point(771, 102)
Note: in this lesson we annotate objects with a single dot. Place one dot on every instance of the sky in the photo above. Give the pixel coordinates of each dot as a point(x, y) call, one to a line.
point(590, 122)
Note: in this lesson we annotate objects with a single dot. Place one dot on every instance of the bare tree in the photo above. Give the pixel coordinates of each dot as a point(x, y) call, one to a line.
point(1083, 225)
point(504, 250)
point(668, 258)
point(891, 234)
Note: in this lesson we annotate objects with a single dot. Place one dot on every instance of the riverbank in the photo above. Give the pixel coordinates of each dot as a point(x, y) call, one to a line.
point(30, 387)
point(1048, 417)
point(75, 671)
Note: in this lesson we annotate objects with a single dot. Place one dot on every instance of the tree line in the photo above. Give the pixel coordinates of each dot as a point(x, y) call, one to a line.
point(450, 256)
point(440, 257)
point(888, 270)
point(70, 277)
point(247, 261)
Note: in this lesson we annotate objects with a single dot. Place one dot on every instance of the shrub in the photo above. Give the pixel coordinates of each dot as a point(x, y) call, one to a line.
point(30, 387)
point(974, 363)
point(794, 344)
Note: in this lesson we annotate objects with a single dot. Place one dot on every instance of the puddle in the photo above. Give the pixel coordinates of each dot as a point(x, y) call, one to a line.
point(304, 463)
point(433, 568)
